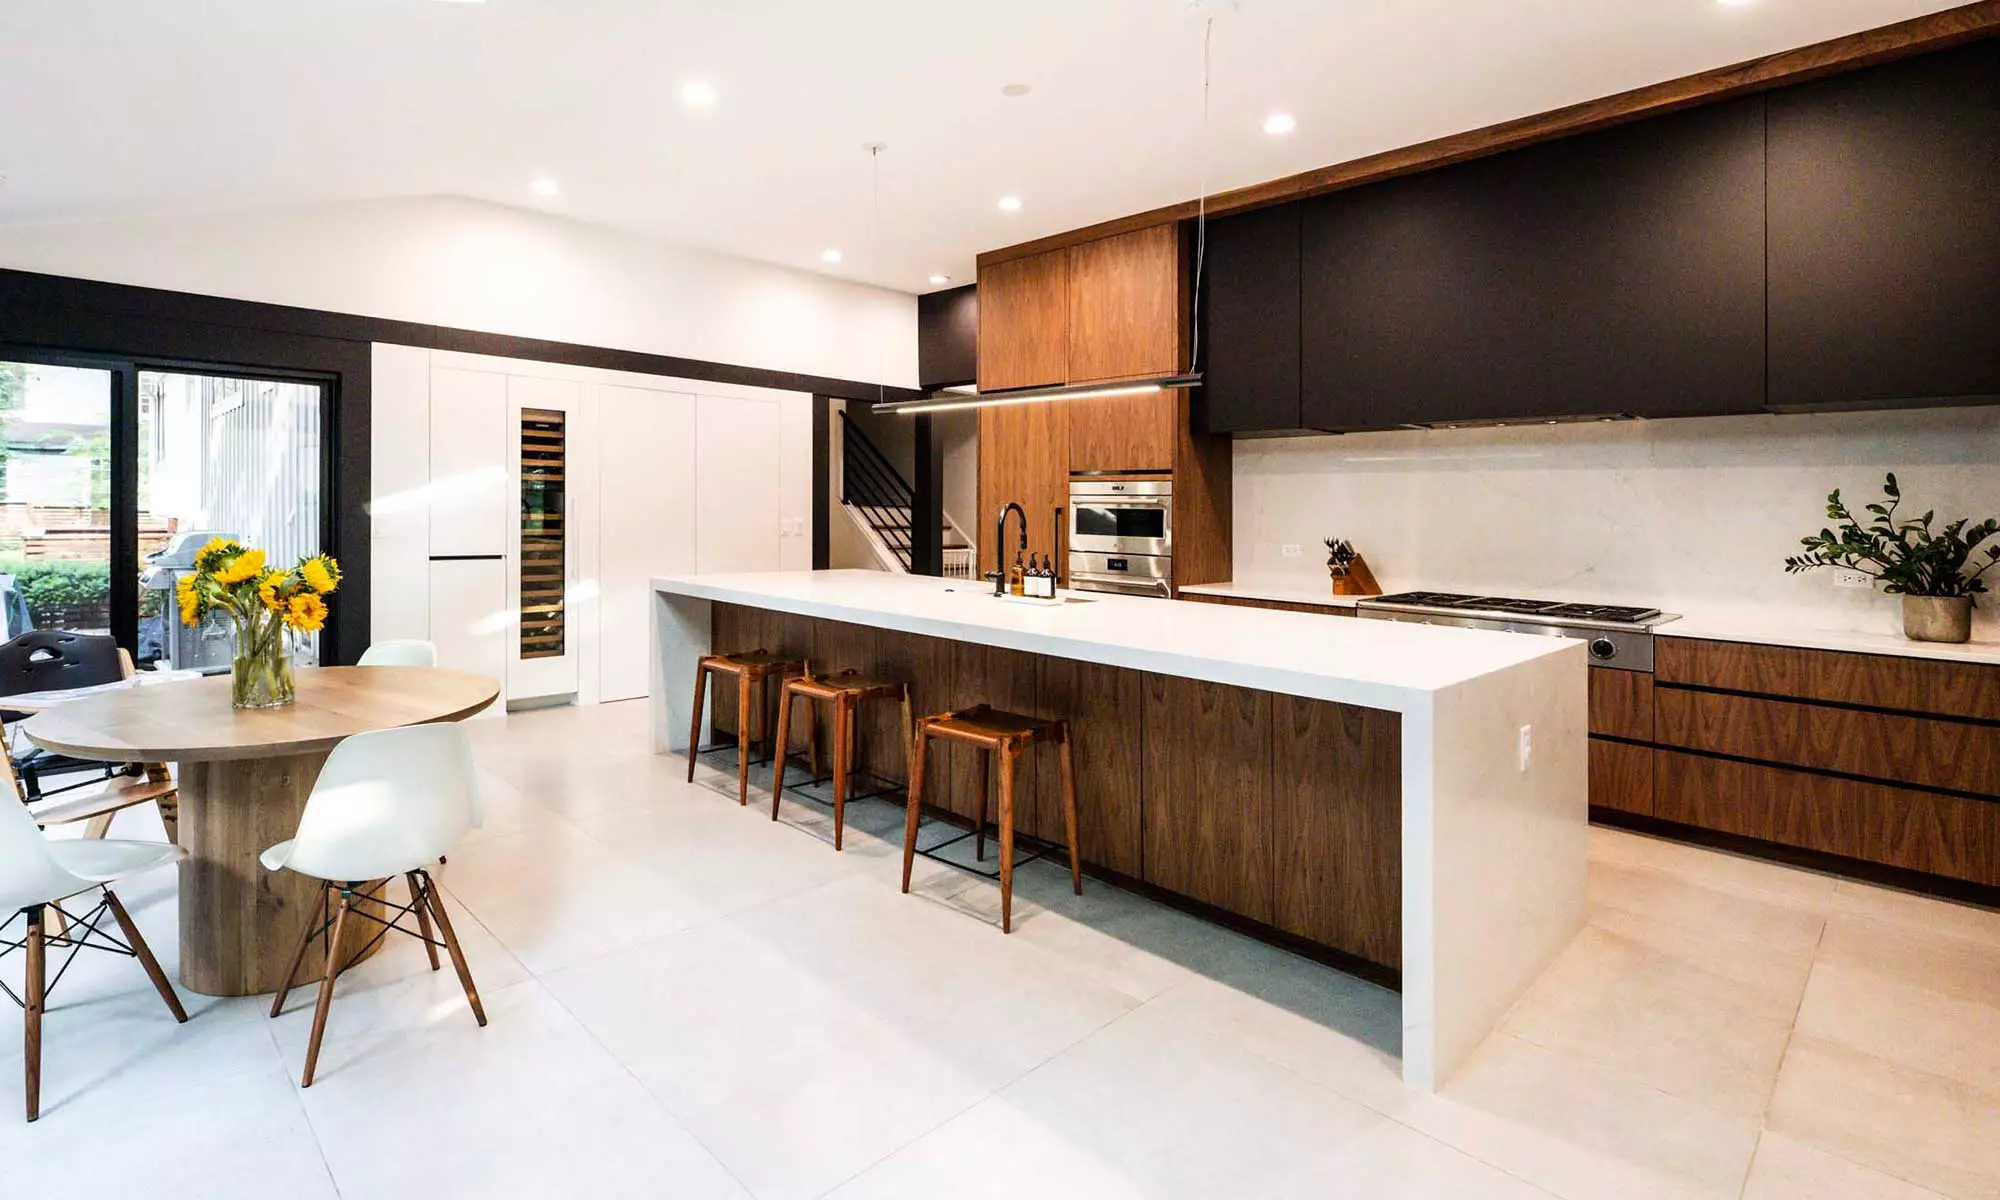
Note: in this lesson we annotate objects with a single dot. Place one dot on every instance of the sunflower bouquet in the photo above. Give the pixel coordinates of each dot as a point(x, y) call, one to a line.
point(269, 606)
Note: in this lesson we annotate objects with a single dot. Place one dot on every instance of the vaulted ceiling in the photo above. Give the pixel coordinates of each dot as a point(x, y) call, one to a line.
point(128, 107)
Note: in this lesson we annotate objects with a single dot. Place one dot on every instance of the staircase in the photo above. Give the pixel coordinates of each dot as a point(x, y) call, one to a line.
point(879, 499)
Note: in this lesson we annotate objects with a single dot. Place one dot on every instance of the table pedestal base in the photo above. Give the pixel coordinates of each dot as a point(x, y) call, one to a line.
point(239, 921)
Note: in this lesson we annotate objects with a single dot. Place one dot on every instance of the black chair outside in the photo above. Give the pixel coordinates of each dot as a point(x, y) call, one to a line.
point(49, 660)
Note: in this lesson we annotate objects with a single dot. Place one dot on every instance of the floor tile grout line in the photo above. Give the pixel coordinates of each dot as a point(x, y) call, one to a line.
point(298, 1098)
point(648, 1092)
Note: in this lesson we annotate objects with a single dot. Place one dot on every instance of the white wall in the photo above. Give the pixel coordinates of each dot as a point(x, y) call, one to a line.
point(472, 265)
point(1695, 515)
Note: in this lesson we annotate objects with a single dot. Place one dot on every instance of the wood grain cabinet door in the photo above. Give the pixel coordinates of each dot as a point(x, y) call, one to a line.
point(1024, 322)
point(1125, 305)
point(1123, 433)
point(1024, 458)
point(1206, 824)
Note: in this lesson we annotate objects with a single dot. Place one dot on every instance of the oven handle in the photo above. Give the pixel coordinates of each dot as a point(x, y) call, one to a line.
point(1089, 582)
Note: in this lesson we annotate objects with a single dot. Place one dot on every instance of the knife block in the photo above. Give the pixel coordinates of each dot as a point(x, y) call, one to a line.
point(1355, 579)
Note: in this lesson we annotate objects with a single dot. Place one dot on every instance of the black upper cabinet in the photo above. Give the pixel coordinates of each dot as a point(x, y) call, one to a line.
point(1616, 272)
point(1250, 310)
point(1885, 234)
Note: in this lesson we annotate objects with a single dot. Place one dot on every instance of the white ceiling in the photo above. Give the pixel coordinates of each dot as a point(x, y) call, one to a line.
point(116, 107)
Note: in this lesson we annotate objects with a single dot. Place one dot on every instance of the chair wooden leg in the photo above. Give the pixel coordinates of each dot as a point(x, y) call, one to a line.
point(457, 953)
point(99, 826)
point(694, 726)
point(314, 920)
point(423, 916)
point(35, 991)
point(843, 763)
point(987, 763)
point(915, 808)
point(170, 816)
point(785, 699)
point(1005, 763)
point(744, 686)
point(326, 985)
point(1069, 809)
point(144, 954)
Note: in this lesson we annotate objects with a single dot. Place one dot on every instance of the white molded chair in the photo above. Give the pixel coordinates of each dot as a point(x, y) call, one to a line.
point(386, 804)
point(401, 652)
point(36, 875)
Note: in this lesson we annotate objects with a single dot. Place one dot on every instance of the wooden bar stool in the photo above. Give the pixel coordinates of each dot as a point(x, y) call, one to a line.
point(753, 672)
point(845, 691)
point(1002, 736)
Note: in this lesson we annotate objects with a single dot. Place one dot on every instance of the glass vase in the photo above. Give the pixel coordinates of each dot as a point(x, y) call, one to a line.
point(262, 678)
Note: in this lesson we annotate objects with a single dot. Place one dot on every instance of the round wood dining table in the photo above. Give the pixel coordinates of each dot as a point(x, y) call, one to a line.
point(244, 776)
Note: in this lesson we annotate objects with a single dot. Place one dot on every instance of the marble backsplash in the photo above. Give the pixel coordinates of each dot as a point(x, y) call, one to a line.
point(1695, 515)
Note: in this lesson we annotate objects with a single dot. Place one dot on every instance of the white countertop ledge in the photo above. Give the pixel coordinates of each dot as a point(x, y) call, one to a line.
point(1374, 664)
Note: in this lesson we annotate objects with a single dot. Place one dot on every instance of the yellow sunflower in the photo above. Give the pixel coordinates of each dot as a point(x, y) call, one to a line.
point(321, 573)
point(267, 590)
point(187, 598)
point(247, 565)
point(305, 613)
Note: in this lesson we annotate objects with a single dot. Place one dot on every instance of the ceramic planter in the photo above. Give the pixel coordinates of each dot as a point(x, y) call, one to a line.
point(1937, 618)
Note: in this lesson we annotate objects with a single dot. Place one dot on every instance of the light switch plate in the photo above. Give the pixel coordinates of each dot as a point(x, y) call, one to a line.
point(1527, 746)
point(1289, 551)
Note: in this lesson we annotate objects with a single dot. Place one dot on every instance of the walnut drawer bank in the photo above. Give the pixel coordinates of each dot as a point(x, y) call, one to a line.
point(1882, 766)
point(1355, 785)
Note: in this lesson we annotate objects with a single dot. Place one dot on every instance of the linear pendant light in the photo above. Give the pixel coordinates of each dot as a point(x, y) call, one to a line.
point(945, 401)
point(949, 400)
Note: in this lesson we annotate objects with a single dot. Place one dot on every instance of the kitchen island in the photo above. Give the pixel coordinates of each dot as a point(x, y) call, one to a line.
point(1410, 799)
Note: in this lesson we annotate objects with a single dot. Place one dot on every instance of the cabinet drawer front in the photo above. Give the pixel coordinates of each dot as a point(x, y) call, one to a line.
point(1621, 703)
point(1919, 831)
point(1895, 749)
point(1621, 777)
point(1877, 680)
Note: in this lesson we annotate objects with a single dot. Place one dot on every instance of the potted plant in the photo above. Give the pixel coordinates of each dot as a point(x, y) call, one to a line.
point(267, 606)
point(1935, 571)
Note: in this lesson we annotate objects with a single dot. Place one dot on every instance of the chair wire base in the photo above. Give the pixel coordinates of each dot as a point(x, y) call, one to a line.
point(94, 937)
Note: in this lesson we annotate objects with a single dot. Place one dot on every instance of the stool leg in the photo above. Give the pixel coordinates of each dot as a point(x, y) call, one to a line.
point(987, 764)
point(744, 686)
point(784, 733)
point(843, 763)
point(1069, 809)
point(1006, 755)
point(694, 729)
point(812, 737)
point(909, 730)
point(916, 807)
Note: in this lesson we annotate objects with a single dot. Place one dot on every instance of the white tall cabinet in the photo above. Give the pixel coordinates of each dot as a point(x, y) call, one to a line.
point(658, 476)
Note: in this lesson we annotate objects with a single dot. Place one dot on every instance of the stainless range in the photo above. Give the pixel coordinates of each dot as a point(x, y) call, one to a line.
point(1618, 635)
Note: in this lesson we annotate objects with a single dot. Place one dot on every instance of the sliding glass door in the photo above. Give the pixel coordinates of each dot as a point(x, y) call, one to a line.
point(55, 498)
point(113, 475)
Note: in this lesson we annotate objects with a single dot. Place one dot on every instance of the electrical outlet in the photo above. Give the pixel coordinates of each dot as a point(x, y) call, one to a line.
point(1853, 579)
point(1289, 551)
point(1527, 746)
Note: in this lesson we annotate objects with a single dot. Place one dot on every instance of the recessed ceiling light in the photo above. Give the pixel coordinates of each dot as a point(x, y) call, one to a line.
point(940, 279)
point(545, 186)
point(829, 255)
point(1010, 204)
point(1733, 3)
point(1278, 123)
point(696, 93)
point(1015, 89)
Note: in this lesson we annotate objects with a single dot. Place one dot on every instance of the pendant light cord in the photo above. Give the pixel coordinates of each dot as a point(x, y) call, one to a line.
point(1201, 204)
point(875, 247)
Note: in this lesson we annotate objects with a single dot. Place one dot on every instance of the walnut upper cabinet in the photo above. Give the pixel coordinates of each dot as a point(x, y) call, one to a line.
point(1125, 306)
point(1106, 309)
point(1023, 322)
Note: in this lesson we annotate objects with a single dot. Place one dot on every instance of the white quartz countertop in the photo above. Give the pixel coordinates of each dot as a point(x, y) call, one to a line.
point(1742, 625)
point(1282, 593)
point(1374, 664)
point(1770, 632)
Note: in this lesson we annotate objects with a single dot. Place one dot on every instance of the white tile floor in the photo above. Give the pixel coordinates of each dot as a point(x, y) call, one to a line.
point(690, 1001)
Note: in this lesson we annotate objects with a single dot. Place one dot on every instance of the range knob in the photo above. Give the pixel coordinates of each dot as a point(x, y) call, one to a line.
point(1602, 648)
